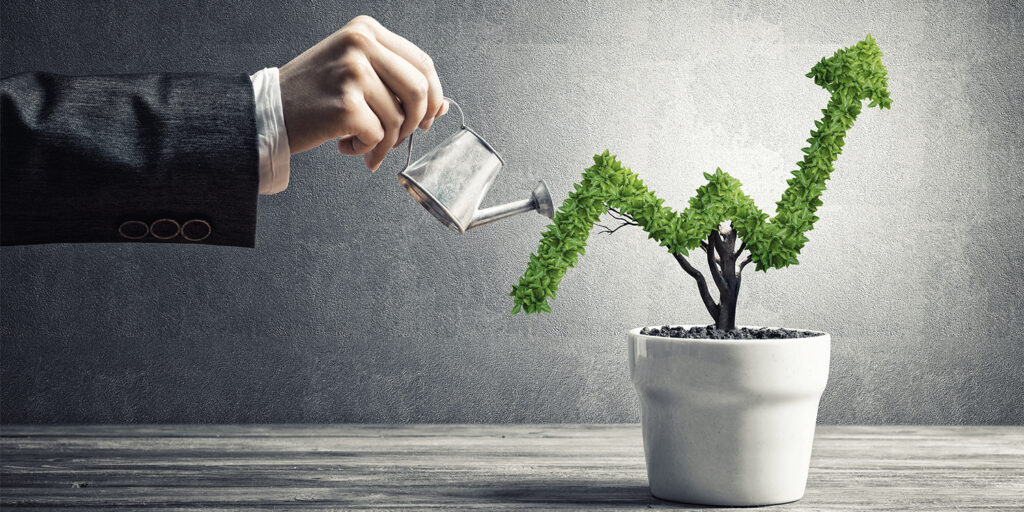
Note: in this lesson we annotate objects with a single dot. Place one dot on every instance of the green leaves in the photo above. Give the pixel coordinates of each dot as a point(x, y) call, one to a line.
point(851, 75)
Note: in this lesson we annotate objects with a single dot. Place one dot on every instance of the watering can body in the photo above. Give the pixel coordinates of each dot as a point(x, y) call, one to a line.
point(452, 179)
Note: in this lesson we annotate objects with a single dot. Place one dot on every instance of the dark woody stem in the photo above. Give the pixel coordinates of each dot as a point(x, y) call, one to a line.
point(702, 285)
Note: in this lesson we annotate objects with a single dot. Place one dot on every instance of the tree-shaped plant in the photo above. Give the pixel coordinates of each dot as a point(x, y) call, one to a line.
point(721, 220)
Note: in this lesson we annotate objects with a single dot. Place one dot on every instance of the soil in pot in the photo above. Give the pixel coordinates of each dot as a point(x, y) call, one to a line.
point(711, 333)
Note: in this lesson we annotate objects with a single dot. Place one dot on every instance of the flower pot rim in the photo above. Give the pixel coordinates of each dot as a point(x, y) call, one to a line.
point(819, 336)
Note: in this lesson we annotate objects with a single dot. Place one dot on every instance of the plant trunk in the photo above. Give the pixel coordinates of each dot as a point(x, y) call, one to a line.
point(726, 276)
point(725, 247)
point(726, 318)
point(722, 256)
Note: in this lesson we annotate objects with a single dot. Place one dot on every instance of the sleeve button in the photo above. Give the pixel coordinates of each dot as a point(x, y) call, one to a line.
point(133, 229)
point(196, 230)
point(165, 229)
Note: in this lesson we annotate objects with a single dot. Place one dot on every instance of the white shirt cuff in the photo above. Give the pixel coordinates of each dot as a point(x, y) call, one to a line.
point(271, 132)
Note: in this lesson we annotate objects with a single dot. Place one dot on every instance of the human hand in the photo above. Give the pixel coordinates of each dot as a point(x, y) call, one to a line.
point(364, 84)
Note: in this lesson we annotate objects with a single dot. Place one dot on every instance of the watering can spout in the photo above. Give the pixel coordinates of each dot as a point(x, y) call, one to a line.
point(539, 200)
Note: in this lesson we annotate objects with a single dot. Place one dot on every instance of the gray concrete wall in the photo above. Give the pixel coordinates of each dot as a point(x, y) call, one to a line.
point(356, 306)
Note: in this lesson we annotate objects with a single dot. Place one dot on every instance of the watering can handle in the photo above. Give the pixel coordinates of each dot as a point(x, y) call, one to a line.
point(408, 152)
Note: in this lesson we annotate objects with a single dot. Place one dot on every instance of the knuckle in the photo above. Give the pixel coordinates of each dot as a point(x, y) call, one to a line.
point(395, 122)
point(420, 88)
point(364, 20)
point(355, 37)
point(349, 103)
point(360, 70)
point(375, 138)
point(351, 56)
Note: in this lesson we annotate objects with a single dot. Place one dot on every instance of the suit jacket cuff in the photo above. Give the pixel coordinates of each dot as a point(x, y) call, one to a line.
point(125, 158)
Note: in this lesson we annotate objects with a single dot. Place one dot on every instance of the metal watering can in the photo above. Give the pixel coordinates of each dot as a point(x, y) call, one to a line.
point(452, 179)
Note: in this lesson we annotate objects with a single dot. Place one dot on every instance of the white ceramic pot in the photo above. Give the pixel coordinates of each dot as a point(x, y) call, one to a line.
point(728, 422)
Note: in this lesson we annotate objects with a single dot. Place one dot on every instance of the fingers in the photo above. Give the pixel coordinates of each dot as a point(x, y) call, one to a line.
point(391, 117)
point(417, 58)
point(389, 89)
point(405, 81)
point(361, 124)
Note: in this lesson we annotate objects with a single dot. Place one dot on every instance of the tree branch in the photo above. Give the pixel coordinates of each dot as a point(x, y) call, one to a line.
point(716, 238)
point(624, 217)
point(743, 245)
point(607, 230)
point(716, 272)
point(748, 260)
point(619, 216)
point(702, 285)
point(704, 245)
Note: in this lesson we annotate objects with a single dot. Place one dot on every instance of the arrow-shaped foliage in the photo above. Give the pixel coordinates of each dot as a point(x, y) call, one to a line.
point(851, 75)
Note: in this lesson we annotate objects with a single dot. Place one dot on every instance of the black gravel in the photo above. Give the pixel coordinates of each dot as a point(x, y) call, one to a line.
point(709, 332)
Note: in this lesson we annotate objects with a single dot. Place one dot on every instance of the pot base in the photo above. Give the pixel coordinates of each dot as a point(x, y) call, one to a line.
point(717, 503)
point(696, 500)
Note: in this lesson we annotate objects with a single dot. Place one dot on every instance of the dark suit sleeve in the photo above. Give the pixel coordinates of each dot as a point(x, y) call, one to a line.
point(146, 158)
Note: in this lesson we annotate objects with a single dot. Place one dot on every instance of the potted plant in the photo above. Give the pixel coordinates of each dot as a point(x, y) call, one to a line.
point(728, 413)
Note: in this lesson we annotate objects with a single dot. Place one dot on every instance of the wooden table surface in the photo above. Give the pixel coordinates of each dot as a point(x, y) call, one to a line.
point(482, 467)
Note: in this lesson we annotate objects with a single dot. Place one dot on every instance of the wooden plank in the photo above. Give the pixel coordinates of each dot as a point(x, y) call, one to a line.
point(472, 467)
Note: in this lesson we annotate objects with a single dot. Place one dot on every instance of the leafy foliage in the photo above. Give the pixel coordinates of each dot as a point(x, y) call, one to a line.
point(851, 75)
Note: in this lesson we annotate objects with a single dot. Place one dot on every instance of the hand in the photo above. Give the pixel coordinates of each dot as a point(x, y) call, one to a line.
point(364, 84)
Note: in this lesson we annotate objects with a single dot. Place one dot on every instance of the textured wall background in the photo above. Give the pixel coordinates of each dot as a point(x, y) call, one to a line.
point(358, 306)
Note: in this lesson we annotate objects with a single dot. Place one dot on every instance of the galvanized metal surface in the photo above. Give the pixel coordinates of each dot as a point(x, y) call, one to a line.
point(452, 179)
